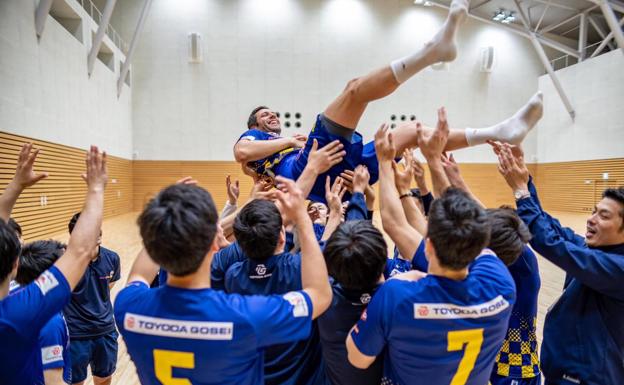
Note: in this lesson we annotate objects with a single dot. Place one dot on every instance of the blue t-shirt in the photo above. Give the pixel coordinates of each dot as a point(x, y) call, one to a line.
point(292, 363)
point(268, 165)
point(205, 336)
point(54, 344)
point(396, 265)
point(90, 312)
point(334, 326)
point(438, 329)
point(22, 316)
point(518, 357)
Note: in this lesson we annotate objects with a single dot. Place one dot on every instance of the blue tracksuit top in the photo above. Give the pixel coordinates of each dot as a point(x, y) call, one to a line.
point(584, 329)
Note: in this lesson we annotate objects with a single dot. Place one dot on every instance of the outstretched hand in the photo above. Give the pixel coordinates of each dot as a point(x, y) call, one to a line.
point(432, 144)
point(187, 180)
point(291, 200)
point(402, 177)
point(384, 144)
point(25, 175)
point(451, 168)
point(512, 168)
point(321, 160)
point(233, 190)
point(96, 169)
point(334, 195)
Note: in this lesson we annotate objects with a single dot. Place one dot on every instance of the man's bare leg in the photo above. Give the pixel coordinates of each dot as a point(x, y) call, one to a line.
point(347, 109)
point(512, 130)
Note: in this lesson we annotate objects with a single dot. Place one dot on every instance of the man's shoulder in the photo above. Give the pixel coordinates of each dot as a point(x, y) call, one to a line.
point(255, 134)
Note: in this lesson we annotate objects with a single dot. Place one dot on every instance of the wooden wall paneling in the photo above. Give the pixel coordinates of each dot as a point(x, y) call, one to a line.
point(64, 189)
point(152, 176)
point(577, 186)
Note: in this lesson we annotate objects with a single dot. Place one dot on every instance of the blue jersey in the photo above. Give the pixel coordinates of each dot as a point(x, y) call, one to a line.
point(438, 329)
point(205, 336)
point(293, 363)
point(268, 165)
point(518, 356)
point(54, 344)
point(90, 312)
point(396, 265)
point(334, 326)
point(22, 316)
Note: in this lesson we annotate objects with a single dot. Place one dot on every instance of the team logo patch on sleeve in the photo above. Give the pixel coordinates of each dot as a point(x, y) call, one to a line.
point(452, 311)
point(297, 300)
point(248, 137)
point(195, 330)
point(46, 282)
point(50, 354)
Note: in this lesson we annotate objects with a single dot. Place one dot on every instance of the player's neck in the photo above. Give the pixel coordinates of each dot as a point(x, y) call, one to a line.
point(198, 280)
point(4, 288)
point(440, 271)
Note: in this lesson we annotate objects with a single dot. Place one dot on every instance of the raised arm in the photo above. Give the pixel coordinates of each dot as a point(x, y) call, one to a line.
point(602, 271)
point(432, 146)
point(314, 276)
point(84, 237)
point(333, 196)
point(319, 161)
point(393, 219)
point(403, 180)
point(24, 177)
point(247, 150)
point(454, 176)
point(233, 192)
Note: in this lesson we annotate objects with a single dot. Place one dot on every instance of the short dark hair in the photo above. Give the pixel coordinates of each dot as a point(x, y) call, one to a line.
point(458, 228)
point(257, 229)
point(252, 121)
point(15, 226)
point(72, 222)
point(10, 248)
point(178, 227)
point(509, 234)
point(356, 254)
point(617, 194)
point(36, 258)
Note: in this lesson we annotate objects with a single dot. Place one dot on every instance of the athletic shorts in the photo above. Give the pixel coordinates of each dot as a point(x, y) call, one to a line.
point(99, 352)
point(495, 379)
point(357, 153)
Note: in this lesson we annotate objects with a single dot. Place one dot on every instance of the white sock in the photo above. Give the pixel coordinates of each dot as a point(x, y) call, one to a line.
point(512, 130)
point(441, 48)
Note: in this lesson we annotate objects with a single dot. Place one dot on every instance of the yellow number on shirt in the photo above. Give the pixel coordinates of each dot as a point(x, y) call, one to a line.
point(166, 360)
point(473, 339)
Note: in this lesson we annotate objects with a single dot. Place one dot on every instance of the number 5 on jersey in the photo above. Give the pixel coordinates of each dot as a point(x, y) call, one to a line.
point(473, 339)
point(166, 360)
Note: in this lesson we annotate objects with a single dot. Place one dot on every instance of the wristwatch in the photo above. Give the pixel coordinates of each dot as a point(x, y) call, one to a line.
point(407, 194)
point(521, 194)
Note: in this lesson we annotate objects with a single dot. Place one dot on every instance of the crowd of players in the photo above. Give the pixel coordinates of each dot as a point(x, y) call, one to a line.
point(280, 290)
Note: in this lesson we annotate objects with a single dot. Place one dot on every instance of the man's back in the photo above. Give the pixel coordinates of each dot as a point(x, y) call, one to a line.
point(203, 335)
point(440, 329)
point(293, 363)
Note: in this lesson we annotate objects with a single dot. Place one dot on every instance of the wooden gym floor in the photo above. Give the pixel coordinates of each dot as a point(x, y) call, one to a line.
point(121, 235)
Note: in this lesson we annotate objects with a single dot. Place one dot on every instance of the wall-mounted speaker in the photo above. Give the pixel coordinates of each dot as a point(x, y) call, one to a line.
point(194, 47)
point(487, 59)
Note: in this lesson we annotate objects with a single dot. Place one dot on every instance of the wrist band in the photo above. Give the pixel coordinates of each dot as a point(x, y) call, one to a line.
point(409, 194)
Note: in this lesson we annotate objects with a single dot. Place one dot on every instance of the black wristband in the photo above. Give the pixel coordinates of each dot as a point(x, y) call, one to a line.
point(408, 194)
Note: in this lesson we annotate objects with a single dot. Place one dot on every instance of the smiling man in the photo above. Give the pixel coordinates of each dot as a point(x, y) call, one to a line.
point(583, 333)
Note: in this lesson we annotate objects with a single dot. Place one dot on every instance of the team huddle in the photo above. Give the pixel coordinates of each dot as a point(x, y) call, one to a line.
point(295, 285)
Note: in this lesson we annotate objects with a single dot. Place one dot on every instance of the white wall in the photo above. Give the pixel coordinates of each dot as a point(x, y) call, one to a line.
point(45, 92)
point(596, 90)
point(296, 56)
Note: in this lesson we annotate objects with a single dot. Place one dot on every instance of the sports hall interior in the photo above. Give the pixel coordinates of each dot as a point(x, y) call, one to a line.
point(168, 91)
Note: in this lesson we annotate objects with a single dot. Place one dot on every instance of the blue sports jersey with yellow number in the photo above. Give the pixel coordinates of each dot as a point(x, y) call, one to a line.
point(268, 165)
point(439, 330)
point(204, 336)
